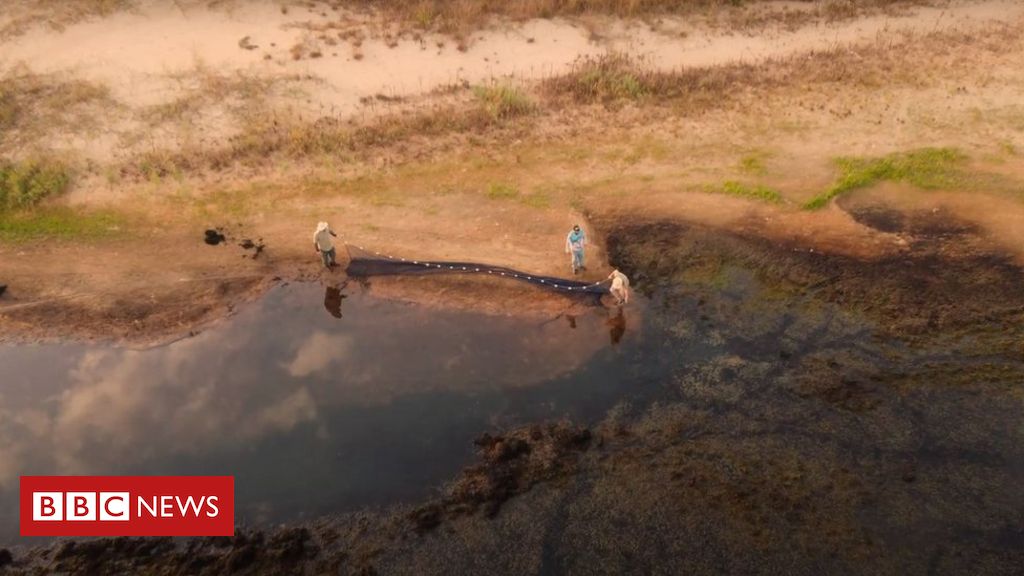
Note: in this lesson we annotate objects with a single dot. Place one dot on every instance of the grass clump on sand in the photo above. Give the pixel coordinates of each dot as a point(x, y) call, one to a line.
point(502, 101)
point(270, 136)
point(753, 164)
point(37, 105)
point(617, 78)
point(25, 184)
point(9, 108)
point(928, 168)
point(502, 191)
point(607, 78)
point(460, 18)
point(539, 199)
point(750, 191)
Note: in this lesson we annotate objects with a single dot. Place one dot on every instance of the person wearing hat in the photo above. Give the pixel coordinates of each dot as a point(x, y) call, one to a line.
point(323, 243)
point(575, 243)
point(620, 287)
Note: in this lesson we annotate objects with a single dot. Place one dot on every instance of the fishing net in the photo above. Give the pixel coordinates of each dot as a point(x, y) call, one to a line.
point(364, 262)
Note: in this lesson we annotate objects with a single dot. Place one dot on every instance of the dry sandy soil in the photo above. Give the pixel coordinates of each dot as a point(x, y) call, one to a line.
point(153, 105)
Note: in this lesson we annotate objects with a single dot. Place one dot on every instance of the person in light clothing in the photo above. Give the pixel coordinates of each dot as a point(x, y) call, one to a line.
point(575, 243)
point(323, 243)
point(620, 287)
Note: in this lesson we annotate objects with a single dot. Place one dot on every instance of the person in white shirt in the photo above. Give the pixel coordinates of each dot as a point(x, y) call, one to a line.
point(323, 243)
point(620, 287)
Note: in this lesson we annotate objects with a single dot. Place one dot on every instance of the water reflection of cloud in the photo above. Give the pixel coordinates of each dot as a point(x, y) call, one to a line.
point(123, 406)
point(262, 374)
point(318, 352)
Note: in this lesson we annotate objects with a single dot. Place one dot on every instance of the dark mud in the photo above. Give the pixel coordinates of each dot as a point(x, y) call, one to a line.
point(508, 465)
point(826, 415)
point(213, 237)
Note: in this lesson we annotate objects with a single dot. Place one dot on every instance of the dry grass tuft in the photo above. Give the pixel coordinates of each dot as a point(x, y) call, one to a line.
point(499, 111)
point(504, 101)
point(34, 106)
point(269, 135)
point(616, 78)
point(57, 13)
point(460, 18)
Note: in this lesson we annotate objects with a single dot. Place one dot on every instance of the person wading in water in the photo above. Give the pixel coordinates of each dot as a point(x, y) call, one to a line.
point(620, 287)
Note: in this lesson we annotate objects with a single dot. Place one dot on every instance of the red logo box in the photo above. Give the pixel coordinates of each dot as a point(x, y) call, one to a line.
point(127, 505)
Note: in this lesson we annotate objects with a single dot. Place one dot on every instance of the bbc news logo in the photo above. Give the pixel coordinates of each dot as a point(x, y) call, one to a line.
point(127, 505)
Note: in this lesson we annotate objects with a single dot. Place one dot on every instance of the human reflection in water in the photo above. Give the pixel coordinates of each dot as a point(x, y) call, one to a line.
point(332, 300)
point(616, 325)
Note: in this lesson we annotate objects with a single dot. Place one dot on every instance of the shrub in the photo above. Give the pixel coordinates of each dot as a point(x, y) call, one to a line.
point(502, 101)
point(25, 184)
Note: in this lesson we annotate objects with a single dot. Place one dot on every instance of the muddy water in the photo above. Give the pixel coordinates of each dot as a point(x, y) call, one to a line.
point(861, 417)
point(316, 399)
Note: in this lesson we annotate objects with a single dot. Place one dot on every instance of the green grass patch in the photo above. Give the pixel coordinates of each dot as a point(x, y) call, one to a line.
point(25, 184)
point(60, 223)
point(928, 168)
point(502, 191)
point(749, 191)
point(753, 164)
point(502, 101)
point(536, 200)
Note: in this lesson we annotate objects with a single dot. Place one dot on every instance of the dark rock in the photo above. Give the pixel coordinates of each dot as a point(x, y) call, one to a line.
point(3, 288)
point(6, 558)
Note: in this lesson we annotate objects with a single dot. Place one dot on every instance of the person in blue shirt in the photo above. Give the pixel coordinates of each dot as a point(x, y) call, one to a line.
point(575, 243)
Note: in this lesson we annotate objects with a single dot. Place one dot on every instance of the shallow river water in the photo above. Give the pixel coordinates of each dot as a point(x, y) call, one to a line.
point(757, 409)
point(314, 402)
